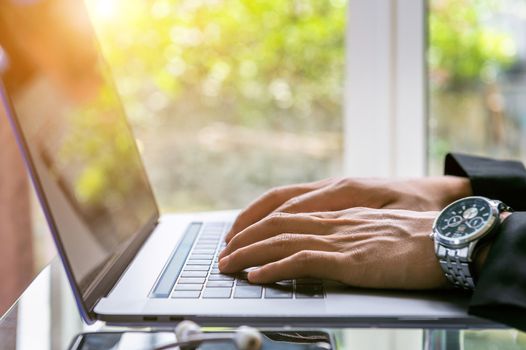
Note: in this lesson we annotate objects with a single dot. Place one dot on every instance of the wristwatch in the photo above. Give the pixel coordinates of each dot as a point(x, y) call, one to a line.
point(459, 229)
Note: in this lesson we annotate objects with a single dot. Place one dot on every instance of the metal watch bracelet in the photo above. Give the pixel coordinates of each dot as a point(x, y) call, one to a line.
point(455, 264)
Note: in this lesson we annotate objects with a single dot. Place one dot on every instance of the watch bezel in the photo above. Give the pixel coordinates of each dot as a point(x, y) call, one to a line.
point(481, 232)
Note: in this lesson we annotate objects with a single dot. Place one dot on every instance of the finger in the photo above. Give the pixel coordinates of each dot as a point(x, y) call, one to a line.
point(330, 221)
point(272, 249)
point(268, 202)
point(273, 225)
point(328, 198)
point(307, 263)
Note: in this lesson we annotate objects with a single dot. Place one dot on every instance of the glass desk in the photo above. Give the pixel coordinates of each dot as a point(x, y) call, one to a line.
point(46, 317)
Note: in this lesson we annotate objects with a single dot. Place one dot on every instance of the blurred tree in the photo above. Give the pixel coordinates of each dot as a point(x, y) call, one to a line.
point(471, 44)
point(464, 46)
point(258, 63)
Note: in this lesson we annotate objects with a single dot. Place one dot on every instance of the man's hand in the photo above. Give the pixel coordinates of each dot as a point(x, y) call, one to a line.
point(425, 194)
point(376, 248)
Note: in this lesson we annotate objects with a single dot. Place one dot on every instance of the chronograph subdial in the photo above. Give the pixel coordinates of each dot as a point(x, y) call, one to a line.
point(464, 219)
point(453, 221)
point(476, 222)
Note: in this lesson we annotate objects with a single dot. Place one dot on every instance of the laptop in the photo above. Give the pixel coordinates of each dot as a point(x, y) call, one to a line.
point(126, 263)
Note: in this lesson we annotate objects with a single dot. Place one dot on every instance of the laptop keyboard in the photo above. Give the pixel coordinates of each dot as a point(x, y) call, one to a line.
point(200, 277)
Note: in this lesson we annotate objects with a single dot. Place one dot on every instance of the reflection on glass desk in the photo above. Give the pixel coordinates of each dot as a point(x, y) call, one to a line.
point(46, 318)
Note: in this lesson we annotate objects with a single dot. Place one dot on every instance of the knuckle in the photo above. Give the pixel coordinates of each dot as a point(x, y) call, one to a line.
point(292, 202)
point(275, 193)
point(282, 240)
point(241, 216)
point(327, 225)
point(342, 182)
point(238, 254)
point(327, 242)
point(233, 244)
point(304, 257)
point(275, 218)
point(344, 185)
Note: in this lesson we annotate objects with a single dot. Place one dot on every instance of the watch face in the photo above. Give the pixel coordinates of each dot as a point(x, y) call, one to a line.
point(464, 219)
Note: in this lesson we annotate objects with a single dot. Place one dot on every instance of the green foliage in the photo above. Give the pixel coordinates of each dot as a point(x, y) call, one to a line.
point(100, 135)
point(464, 46)
point(259, 63)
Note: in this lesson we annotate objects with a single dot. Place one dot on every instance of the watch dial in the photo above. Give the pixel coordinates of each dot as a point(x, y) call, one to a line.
point(464, 218)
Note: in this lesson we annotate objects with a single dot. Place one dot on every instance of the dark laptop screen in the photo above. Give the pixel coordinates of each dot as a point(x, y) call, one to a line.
point(76, 132)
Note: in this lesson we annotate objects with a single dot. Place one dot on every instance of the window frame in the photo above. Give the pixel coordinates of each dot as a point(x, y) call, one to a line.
point(385, 98)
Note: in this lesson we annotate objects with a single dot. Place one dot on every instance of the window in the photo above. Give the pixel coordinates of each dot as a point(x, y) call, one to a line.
point(477, 79)
point(228, 98)
point(385, 91)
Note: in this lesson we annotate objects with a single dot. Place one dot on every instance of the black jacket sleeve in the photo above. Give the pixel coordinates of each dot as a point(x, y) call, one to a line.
point(496, 179)
point(500, 294)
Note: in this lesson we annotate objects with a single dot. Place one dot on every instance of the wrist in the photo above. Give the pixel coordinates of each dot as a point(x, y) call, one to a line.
point(455, 187)
point(447, 189)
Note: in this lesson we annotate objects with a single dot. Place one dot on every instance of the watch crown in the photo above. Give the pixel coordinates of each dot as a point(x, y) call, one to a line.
point(432, 235)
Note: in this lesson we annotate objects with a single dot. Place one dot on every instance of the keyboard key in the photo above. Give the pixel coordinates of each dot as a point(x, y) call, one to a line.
point(278, 292)
point(220, 277)
point(216, 284)
point(215, 271)
point(196, 268)
point(186, 294)
point(210, 240)
point(199, 262)
point(188, 287)
point(210, 244)
point(194, 273)
point(248, 292)
point(309, 291)
point(223, 293)
point(211, 228)
point(207, 230)
point(212, 233)
point(205, 246)
point(204, 251)
point(183, 280)
point(201, 257)
point(243, 283)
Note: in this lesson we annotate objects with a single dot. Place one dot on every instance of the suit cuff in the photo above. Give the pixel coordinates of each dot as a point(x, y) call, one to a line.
point(500, 294)
point(496, 179)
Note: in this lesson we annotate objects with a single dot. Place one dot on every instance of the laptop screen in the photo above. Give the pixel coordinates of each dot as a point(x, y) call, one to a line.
point(79, 143)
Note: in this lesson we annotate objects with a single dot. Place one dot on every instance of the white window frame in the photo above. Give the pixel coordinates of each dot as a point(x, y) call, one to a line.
point(385, 93)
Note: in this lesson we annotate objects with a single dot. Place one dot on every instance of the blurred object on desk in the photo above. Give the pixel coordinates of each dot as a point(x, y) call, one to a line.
point(16, 250)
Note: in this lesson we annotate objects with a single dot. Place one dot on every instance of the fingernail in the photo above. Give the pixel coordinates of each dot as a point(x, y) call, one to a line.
point(222, 254)
point(223, 262)
point(252, 275)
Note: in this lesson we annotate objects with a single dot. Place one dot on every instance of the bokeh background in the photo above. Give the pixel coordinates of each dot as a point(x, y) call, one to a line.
point(228, 98)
